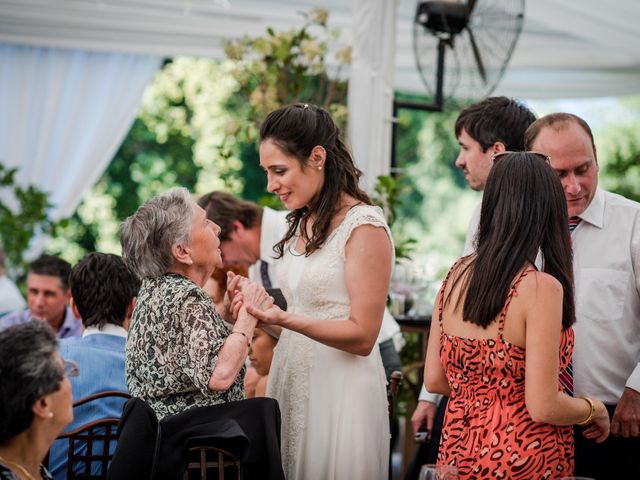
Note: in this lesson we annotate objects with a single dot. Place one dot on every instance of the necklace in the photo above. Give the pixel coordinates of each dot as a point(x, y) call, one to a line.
point(22, 470)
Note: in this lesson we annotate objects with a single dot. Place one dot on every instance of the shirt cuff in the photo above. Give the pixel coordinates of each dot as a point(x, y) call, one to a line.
point(428, 396)
point(634, 380)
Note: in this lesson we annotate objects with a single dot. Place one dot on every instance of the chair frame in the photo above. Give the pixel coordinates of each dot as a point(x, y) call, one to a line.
point(224, 459)
point(87, 433)
point(395, 379)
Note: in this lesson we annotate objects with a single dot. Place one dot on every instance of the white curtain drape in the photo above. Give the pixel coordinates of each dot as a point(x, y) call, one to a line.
point(64, 113)
point(370, 93)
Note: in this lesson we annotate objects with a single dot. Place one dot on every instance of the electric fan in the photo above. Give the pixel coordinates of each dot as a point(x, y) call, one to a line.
point(462, 48)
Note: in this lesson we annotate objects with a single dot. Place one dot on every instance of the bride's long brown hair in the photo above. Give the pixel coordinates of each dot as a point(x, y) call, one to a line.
point(296, 129)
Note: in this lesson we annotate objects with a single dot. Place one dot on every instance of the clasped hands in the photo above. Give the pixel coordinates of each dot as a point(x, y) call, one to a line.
point(243, 293)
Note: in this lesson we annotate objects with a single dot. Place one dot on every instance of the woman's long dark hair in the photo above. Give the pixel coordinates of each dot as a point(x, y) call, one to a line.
point(296, 129)
point(523, 211)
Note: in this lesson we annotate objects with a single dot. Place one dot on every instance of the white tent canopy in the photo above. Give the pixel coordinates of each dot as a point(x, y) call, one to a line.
point(567, 49)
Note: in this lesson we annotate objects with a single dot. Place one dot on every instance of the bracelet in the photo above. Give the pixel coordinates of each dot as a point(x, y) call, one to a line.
point(592, 411)
point(243, 334)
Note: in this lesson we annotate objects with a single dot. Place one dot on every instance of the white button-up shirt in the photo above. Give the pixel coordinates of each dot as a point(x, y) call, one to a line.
point(272, 230)
point(606, 262)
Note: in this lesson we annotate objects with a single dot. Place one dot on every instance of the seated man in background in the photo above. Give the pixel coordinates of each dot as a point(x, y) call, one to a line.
point(103, 291)
point(47, 298)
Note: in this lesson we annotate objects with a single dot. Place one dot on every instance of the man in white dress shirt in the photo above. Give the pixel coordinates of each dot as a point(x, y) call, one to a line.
point(496, 124)
point(248, 233)
point(606, 262)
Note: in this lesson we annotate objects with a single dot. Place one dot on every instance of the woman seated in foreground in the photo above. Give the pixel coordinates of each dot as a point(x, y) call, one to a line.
point(502, 335)
point(180, 353)
point(35, 399)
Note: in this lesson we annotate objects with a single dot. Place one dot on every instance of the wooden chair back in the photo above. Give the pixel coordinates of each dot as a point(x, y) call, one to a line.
point(208, 463)
point(98, 436)
point(392, 390)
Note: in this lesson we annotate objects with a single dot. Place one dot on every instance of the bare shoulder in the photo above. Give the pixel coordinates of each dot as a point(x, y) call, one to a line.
point(368, 236)
point(539, 284)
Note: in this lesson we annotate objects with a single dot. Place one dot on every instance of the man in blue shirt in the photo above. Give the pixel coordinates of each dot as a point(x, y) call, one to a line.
point(103, 293)
point(47, 298)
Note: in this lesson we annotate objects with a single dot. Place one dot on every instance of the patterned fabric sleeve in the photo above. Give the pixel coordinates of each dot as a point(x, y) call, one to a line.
point(202, 335)
point(6, 474)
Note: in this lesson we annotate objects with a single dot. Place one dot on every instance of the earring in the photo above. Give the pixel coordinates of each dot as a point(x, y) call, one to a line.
point(50, 414)
point(319, 168)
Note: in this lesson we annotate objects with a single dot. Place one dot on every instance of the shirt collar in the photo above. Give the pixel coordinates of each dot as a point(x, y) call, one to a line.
point(107, 328)
point(71, 326)
point(594, 213)
point(267, 232)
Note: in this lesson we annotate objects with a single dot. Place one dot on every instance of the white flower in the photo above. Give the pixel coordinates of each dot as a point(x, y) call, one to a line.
point(319, 16)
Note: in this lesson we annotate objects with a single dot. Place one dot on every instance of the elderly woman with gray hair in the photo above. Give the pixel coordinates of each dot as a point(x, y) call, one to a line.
point(180, 353)
point(35, 399)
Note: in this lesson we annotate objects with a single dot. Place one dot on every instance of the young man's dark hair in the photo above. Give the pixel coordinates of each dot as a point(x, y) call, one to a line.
point(496, 119)
point(52, 266)
point(223, 209)
point(102, 287)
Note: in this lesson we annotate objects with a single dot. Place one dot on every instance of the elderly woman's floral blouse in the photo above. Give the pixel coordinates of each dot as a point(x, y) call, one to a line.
point(172, 347)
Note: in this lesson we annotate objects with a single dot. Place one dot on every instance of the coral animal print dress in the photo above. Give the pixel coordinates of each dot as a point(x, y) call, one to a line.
point(488, 432)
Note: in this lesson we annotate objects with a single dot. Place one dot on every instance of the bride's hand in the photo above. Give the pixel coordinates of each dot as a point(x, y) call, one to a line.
point(272, 315)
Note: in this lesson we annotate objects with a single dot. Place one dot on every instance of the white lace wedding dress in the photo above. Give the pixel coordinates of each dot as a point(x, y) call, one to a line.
point(335, 422)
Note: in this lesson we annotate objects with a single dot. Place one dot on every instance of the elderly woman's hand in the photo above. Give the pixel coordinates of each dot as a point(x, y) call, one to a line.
point(256, 296)
point(233, 298)
point(268, 314)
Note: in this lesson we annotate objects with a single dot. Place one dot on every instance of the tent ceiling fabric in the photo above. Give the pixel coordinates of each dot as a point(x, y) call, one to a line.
point(567, 49)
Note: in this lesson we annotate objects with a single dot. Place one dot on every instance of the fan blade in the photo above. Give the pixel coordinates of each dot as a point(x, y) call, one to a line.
point(471, 4)
point(476, 54)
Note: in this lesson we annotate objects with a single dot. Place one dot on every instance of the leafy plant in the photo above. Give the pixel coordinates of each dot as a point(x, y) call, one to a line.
point(276, 69)
point(621, 171)
point(20, 224)
point(388, 194)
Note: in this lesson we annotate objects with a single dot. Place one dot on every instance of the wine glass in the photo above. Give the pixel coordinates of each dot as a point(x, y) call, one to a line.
point(438, 472)
point(409, 281)
point(398, 289)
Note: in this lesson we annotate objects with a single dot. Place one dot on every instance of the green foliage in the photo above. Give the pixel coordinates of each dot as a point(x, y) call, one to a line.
point(171, 143)
point(436, 200)
point(276, 69)
point(142, 167)
point(621, 166)
point(388, 195)
point(197, 128)
point(30, 217)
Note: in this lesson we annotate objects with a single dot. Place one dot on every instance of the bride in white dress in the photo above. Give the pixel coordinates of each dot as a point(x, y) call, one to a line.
point(327, 374)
